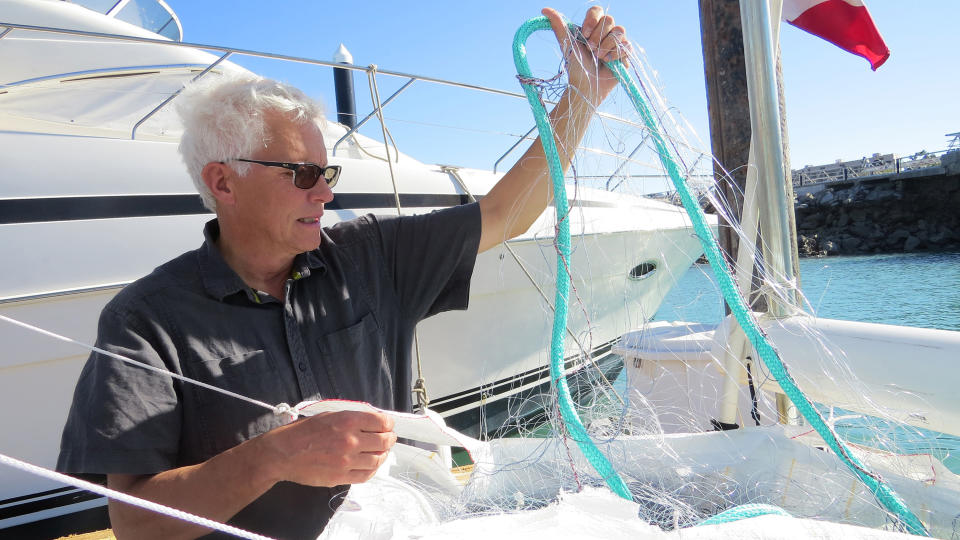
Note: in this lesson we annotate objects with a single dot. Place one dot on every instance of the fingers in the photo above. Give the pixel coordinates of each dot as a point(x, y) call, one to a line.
point(605, 39)
point(595, 27)
point(591, 20)
point(559, 27)
point(330, 449)
point(614, 45)
point(363, 470)
point(370, 443)
point(372, 422)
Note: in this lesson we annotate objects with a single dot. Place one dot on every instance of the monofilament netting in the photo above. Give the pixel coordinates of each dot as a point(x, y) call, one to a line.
point(655, 423)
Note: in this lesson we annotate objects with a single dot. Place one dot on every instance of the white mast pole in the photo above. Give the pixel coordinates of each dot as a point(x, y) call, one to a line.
point(766, 190)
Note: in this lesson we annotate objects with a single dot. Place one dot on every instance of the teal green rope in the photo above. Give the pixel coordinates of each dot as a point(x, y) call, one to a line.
point(562, 238)
point(887, 497)
point(744, 511)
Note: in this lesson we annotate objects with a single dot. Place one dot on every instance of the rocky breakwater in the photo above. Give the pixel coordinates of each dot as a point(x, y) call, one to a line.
point(896, 213)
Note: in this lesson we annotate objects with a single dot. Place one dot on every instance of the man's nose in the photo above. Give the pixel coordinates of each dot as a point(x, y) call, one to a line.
point(320, 192)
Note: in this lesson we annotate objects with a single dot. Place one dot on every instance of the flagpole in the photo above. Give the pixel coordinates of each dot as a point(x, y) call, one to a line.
point(775, 206)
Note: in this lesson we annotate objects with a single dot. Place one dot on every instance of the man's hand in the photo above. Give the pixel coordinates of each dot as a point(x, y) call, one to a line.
point(601, 41)
point(330, 449)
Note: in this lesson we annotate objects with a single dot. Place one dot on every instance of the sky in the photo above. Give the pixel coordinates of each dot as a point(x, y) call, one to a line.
point(837, 108)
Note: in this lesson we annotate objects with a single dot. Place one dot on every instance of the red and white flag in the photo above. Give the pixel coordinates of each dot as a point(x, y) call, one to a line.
point(845, 23)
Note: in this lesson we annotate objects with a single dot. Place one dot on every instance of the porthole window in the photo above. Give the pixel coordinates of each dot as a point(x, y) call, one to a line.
point(643, 270)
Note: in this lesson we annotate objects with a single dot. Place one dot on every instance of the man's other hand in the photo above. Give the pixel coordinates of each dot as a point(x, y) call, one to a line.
point(330, 449)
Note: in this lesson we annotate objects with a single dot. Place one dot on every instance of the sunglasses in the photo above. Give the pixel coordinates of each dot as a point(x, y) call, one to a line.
point(305, 175)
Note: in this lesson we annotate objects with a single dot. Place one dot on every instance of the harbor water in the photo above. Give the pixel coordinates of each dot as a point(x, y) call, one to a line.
point(916, 289)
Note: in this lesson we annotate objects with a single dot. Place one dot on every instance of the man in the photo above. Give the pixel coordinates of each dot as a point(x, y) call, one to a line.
point(276, 308)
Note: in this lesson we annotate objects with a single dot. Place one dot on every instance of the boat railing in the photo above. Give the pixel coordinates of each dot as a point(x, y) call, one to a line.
point(372, 71)
point(226, 52)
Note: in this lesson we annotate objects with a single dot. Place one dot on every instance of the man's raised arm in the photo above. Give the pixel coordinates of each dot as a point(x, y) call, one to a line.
point(515, 202)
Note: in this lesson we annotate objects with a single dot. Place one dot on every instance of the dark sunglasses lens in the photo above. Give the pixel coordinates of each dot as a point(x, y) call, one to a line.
point(306, 176)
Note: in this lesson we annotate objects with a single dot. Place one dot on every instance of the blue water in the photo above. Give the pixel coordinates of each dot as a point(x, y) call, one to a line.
point(917, 289)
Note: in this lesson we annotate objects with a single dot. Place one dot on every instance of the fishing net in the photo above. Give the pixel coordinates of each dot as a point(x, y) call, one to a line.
point(868, 461)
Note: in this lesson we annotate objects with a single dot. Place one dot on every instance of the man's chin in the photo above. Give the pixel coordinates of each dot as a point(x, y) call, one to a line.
point(310, 245)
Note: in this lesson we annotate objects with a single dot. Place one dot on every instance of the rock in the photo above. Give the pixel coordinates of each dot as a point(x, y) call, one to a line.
point(807, 246)
point(881, 215)
point(809, 220)
point(899, 234)
point(911, 244)
point(951, 162)
point(937, 238)
point(850, 243)
point(863, 229)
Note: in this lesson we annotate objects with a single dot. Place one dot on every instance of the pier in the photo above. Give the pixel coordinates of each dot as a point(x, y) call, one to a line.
point(896, 209)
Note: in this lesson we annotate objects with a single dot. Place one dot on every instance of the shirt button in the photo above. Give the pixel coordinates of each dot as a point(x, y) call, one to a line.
point(302, 366)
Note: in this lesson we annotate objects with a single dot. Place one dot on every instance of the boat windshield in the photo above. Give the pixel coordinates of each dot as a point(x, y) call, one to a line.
point(153, 15)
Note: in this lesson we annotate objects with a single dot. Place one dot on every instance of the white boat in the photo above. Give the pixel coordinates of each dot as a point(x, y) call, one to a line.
point(93, 195)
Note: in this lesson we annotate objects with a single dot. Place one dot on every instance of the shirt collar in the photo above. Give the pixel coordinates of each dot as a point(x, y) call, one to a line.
point(220, 281)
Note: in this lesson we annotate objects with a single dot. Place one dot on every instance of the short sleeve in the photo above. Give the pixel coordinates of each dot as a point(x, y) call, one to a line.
point(432, 256)
point(124, 419)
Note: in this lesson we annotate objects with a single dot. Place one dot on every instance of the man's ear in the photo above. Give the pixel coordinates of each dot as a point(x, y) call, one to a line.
point(219, 180)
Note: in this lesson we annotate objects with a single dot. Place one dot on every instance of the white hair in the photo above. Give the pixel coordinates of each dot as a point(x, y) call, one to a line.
point(224, 118)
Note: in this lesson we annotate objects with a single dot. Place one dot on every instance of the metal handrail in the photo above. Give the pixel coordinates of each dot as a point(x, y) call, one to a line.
point(373, 113)
point(516, 144)
point(64, 292)
point(290, 58)
point(257, 54)
point(133, 132)
point(118, 71)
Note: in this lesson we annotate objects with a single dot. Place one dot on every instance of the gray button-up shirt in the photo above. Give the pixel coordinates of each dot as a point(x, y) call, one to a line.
point(344, 329)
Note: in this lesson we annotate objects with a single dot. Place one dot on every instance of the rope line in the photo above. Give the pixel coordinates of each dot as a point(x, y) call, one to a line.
point(568, 412)
point(744, 511)
point(282, 408)
point(129, 499)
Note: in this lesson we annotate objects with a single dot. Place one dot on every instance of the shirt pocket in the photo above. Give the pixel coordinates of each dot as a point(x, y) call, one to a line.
point(223, 421)
point(356, 363)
